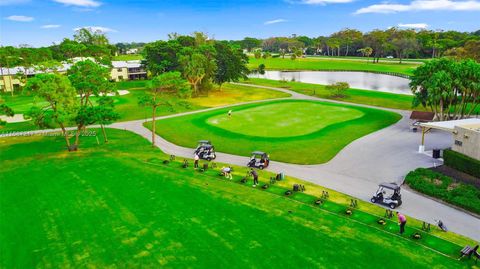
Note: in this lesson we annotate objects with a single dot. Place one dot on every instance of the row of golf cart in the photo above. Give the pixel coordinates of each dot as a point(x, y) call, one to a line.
point(388, 194)
point(206, 151)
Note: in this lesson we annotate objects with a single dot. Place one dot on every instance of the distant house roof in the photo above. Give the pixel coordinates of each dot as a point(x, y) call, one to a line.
point(422, 116)
point(127, 64)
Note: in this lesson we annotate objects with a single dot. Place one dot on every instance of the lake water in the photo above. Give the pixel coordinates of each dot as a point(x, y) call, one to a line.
point(356, 80)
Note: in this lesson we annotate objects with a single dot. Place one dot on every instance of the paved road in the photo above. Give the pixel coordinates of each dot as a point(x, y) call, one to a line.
point(386, 155)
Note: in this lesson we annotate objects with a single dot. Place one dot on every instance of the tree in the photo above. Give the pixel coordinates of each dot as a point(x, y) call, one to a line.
point(231, 64)
point(338, 89)
point(105, 113)
point(257, 54)
point(5, 110)
point(377, 40)
point(161, 84)
point(250, 43)
point(449, 88)
point(161, 56)
point(403, 41)
point(90, 80)
point(348, 37)
point(197, 64)
point(60, 96)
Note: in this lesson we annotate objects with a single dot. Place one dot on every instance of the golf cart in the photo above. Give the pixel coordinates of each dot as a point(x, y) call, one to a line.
point(205, 150)
point(259, 160)
point(388, 194)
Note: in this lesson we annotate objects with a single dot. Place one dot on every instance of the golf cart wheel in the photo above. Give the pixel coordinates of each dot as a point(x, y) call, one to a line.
point(373, 200)
point(392, 205)
point(261, 167)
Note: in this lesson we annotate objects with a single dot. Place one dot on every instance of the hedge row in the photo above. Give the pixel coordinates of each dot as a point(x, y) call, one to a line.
point(461, 162)
point(437, 185)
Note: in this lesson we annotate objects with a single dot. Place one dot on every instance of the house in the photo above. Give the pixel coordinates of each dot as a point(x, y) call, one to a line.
point(132, 51)
point(13, 78)
point(127, 70)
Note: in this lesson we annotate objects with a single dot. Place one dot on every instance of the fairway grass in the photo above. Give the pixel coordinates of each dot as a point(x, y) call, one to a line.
point(128, 108)
point(364, 97)
point(319, 64)
point(316, 137)
point(109, 205)
point(283, 119)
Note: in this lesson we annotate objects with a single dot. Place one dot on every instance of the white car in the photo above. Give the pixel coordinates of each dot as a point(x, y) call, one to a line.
point(389, 57)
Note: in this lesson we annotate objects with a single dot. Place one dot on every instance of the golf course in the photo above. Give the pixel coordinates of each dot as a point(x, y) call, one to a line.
point(302, 132)
point(118, 205)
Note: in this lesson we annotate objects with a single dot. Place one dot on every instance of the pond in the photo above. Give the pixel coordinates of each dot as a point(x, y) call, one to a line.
point(357, 80)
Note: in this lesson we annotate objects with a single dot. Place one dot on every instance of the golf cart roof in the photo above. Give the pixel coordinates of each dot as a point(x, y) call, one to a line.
point(391, 186)
point(203, 142)
point(258, 153)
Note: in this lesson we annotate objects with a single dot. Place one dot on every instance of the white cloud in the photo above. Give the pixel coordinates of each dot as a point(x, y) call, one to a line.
point(80, 3)
point(97, 28)
point(19, 18)
point(12, 2)
point(422, 5)
point(413, 25)
point(274, 21)
point(50, 26)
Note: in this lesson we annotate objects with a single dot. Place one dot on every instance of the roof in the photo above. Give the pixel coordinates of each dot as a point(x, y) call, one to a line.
point(392, 186)
point(422, 116)
point(127, 64)
point(204, 141)
point(473, 124)
point(258, 153)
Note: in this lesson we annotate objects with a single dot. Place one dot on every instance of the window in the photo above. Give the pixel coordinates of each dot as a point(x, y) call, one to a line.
point(119, 69)
point(458, 143)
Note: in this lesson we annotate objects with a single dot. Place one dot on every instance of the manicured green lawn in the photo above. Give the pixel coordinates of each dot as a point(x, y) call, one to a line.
point(331, 64)
point(306, 143)
point(365, 97)
point(114, 205)
point(128, 108)
point(365, 59)
point(283, 119)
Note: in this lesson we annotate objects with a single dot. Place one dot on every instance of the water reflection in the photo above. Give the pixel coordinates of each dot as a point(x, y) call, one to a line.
point(357, 80)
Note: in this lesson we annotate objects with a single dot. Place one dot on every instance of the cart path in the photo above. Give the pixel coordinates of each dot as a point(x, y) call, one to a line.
point(385, 155)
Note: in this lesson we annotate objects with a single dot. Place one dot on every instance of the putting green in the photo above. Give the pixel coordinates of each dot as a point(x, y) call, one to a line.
point(292, 131)
point(283, 119)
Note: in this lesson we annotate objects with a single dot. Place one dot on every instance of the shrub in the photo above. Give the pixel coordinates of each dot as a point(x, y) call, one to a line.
point(461, 162)
point(437, 185)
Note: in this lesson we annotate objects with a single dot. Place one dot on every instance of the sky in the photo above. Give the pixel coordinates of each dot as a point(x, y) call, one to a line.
point(43, 22)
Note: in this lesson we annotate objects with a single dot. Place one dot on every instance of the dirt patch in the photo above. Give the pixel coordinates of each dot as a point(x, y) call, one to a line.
point(452, 186)
point(437, 181)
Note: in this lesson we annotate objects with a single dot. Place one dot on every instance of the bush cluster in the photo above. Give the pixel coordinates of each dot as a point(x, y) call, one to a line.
point(461, 162)
point(437, 185)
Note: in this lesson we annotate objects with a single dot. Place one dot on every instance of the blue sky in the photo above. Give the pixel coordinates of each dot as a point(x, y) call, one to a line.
point(41, 22)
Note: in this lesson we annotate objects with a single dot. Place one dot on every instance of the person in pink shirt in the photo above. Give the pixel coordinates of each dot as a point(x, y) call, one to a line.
point(402, 221)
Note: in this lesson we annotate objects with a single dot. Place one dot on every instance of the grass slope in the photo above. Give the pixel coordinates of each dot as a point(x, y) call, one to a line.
point(331, 64)
point(104, 206)
point(317, 147)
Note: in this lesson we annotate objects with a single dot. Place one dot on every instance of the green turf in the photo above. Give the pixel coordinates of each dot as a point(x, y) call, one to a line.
point(310, 148)
point(283, 119)
point(111, 206)
point(365, 97)
point(128, 108)
point(331, 64)
point(127, 57)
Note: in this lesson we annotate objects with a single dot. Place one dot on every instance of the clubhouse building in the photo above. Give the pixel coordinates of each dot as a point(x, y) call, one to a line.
point(120, 71)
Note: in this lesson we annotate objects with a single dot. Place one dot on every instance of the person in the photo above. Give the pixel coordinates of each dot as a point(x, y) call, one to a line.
point(402, 221)
point(255, 177)
point(227, 172)
point(230, 113)
point(196, 158)
point(441, 225)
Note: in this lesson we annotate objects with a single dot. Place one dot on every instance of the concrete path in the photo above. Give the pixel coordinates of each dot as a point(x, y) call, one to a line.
point(386, 155)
